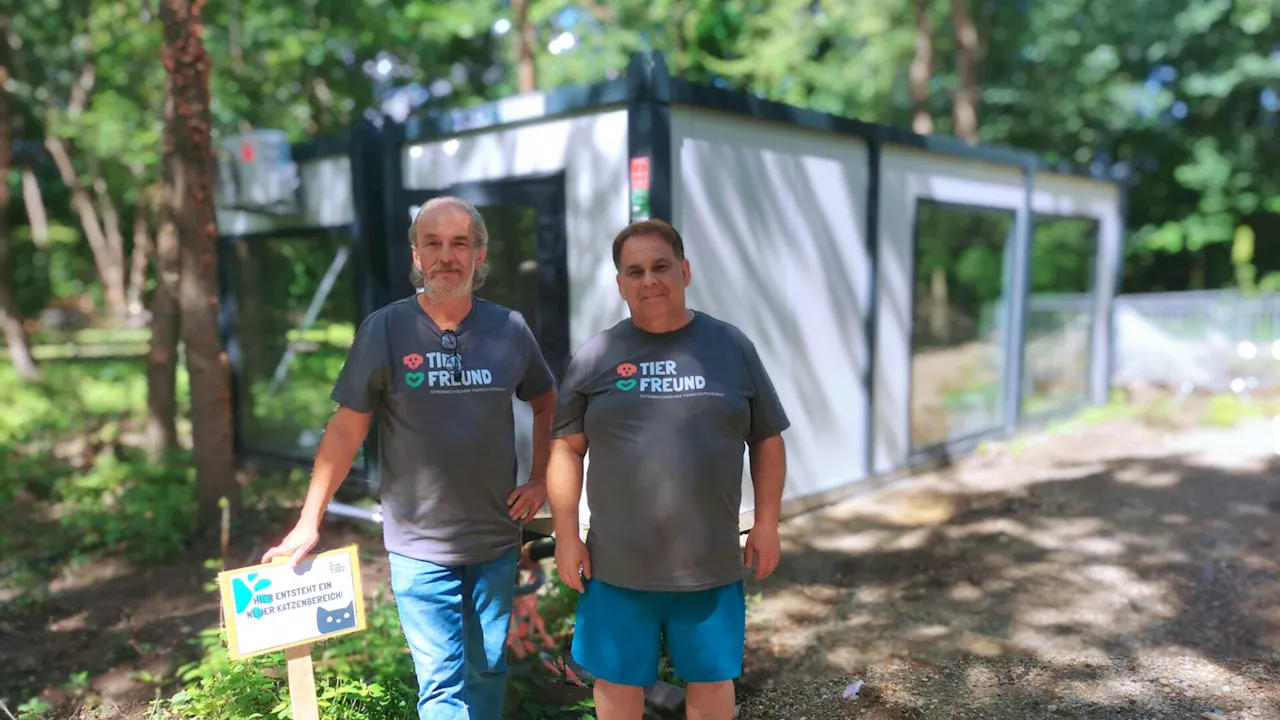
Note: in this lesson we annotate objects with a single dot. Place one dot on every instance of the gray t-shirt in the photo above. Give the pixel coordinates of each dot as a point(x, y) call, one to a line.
point(446, 440)
point(667, 419)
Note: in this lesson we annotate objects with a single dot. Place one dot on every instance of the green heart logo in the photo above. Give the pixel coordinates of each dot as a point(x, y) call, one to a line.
point(626, 385)
point(414, 379)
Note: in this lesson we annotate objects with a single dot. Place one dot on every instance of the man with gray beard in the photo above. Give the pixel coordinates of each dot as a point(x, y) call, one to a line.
point(439, 371)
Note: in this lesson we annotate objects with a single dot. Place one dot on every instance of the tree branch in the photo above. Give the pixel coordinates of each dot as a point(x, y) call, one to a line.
point(37, 216)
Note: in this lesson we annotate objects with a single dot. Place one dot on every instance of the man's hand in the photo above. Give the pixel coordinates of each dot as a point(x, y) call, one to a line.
point(571, 555)
point(527, 499)
point(296, 544)
point(763, 550)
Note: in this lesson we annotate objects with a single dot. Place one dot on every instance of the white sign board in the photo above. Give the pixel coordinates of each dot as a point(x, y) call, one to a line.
point(273, 606)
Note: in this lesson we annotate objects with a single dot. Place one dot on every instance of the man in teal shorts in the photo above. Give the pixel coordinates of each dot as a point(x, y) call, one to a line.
point(667, 401)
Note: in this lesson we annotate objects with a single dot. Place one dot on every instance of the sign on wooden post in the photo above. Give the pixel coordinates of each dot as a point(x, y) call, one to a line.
point(272, 607)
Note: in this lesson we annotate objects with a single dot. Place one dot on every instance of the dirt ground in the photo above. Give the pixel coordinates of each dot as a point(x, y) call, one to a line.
point(1120, 570)
point(127, 630)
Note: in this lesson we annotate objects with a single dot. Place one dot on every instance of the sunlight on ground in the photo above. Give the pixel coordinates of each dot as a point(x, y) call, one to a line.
point(918, 506)
point(1144, 477)
point(1097, 550)
point(1199, 678)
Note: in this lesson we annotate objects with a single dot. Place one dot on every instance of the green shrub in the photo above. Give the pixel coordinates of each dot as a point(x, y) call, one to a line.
point(361, 676)
point(143, 509)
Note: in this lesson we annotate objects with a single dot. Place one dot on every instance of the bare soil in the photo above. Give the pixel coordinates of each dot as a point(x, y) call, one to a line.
point(1123, 570)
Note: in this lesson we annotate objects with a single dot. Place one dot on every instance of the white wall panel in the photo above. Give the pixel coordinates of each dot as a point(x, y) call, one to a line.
point(326, 202)
point(906, 176)
point(592, 150)
point(774, 223)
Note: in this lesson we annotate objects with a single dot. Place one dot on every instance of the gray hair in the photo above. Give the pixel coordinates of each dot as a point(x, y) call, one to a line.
point(479, 236)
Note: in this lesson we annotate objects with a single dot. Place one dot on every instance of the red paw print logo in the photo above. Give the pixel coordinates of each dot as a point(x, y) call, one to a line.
point(627, 370)
point(413, 361)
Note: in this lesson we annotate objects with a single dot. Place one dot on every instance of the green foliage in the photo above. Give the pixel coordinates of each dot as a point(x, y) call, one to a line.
point(42, 277)
point(1177, 99)
point(74, 395)
point(33, 709)
point(143, 509)
point(299, 67)
point(363, 676)
point(97, 499)
point(1063, 254)
point(1229, 409)
point(303, 401)
point(360, 676)
point(558, 606)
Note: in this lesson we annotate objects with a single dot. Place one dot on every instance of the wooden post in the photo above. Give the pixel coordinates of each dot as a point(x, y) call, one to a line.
point(302, 683)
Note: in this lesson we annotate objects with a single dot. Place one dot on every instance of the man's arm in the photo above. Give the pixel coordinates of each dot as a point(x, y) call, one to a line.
point(564, 482)
point(768, 455)
point(768, 472)
point(766, 450)
point(342, 438)
point(768, 458)
point(544, 410)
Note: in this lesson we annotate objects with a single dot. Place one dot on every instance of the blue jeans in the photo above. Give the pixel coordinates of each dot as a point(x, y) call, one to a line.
point(456, 620)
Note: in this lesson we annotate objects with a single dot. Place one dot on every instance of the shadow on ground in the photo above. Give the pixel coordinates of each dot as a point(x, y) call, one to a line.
point(1068, 583)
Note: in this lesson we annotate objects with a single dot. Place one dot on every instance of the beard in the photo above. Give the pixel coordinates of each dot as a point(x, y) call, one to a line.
point(439, 287)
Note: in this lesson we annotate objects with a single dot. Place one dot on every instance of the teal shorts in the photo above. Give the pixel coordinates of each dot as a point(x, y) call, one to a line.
point(619, 633)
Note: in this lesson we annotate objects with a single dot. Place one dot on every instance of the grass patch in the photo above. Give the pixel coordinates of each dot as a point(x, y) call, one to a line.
point(1223, 410)
point(1229, 410)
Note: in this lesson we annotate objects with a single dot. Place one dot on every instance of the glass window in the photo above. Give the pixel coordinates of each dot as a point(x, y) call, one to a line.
point(288, 367)
point(1055, 373)
point(513, 259)
point(957, 338)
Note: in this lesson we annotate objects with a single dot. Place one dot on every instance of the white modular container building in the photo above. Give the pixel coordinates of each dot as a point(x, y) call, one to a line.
point(910, 296)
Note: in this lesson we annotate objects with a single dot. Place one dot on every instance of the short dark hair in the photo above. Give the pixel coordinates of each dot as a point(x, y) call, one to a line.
point(657, 227)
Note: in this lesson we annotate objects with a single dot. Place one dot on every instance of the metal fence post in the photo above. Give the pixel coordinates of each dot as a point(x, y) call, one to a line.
point(1018, 265)
point(368, 151)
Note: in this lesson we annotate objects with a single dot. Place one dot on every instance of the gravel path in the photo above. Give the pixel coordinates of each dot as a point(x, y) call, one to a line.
point(1120, 570)
point(1034, 688)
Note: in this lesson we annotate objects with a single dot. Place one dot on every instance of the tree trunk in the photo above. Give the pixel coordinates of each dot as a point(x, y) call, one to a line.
point(526, 40)
point(37, 216)
point(162, 356)
point(922, 70)
point(1199, 263)
point(139, 257)
point(939, 308)
point(964, 107)
point(115, 244)
point(15, 333)
point(109, 262)
point(188, 177)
